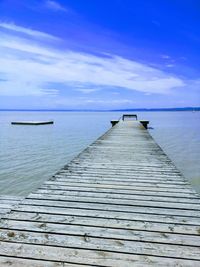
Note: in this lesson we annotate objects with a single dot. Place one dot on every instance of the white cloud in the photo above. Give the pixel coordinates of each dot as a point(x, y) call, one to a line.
point(55, 6)
point(165, 57)
point(29, 66)
point(110, 102)
point(169, 65)
point(18, 29)
point(87, 90)
point(82, 101)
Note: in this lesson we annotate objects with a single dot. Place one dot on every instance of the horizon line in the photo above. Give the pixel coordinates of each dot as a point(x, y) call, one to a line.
point(108, 110)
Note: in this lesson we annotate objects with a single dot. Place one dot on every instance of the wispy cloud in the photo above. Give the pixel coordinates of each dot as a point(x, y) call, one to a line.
point(27, 31)
point(88, 90)
point(165, 57)
point(28, 67)
point(55, 6)
point(110, 102)
point(82, 101)
point(169, 65)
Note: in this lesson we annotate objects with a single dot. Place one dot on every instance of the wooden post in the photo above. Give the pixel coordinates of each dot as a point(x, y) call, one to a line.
point(145, 124)
point(114, 122)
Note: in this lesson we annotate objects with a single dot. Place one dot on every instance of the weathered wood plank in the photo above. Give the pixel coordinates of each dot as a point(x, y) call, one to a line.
point(51, 194)
point(6, 261)
point(116, 183)
point(8, 197)
point(7, 203)
point(110, 207)
point(117, 170)
point(123, 181)
point(122, 202)
point(51, 184)
point(119, 223)
point(111, 214)
point(118, 178)
point(86, 241)
point(175, 195)
point(19, 262)
point(93, 257)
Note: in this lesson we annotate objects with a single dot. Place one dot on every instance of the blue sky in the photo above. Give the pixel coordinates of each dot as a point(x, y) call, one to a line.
point(98, 54)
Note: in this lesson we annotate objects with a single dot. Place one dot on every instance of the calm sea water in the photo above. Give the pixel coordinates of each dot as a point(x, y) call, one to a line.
point(31, 154)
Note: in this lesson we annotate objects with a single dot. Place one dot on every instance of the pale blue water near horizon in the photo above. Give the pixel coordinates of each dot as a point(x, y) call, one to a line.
point(29, 155)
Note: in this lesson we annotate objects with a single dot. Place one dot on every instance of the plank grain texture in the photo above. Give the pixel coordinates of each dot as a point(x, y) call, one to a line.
point(121, 202)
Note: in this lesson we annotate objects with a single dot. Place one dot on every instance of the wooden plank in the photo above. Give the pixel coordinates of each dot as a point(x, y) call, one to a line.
point(117, 183)
point(119, 192)
point(116, 187)
point(119, 178)
point(158, 169)
point(7, 203)
point(4, 210)
point(122, 180)
point(93, 257)
point(118, 223)
point(119, 202)
point(110, 207)
point(97, 194)
point(10, 197)
point(111, 214)
point(25, 262)
point(86, 241)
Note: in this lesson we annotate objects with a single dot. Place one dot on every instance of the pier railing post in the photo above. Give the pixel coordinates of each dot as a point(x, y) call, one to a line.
point(114, 122)
point(145, 124)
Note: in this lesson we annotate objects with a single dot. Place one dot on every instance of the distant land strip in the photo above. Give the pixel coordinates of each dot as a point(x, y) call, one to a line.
point(109, 110)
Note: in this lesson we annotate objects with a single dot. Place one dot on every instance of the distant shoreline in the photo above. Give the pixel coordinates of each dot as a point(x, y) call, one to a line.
point(107, 110)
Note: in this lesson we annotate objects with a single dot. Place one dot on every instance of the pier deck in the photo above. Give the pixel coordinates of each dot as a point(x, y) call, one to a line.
point(7, 203)
point(120, 203)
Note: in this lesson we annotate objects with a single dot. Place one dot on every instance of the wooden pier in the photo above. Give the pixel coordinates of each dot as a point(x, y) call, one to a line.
point(120, 203)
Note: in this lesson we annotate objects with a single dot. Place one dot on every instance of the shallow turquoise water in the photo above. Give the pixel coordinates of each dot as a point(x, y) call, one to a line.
point(31, 154)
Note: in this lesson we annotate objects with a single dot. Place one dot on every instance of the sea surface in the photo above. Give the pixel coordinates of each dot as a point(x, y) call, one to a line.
point(29, 155)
